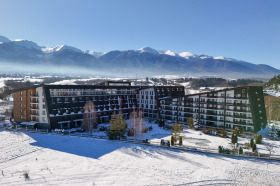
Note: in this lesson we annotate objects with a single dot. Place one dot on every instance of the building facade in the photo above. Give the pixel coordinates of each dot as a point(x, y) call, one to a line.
point(149, 98)
point(62, 106)
point(236, 107)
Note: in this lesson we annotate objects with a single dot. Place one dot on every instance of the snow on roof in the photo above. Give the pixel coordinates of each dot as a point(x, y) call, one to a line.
point(28, 123)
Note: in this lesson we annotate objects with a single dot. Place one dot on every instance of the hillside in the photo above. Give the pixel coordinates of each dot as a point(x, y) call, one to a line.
point(63, 160)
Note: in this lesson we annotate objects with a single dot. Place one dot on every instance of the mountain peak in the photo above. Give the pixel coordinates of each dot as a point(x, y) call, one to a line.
point(148, 49)
point(4, 39)
point(26, 43)
point(187, 55)
point(60, 48)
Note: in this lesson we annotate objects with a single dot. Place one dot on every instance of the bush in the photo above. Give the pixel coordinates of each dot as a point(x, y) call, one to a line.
point(130, 132)
point(223, 133)
point(258, 138)
point(145, 141)
point(168, 127)
point(240, 150)
point(145, 130)
point(172, 140)
point(234, 138)
point(254, 148)
point(247, 145)
point(180, 140)
point(252, 143)
point(222, 149)
point(161, 123)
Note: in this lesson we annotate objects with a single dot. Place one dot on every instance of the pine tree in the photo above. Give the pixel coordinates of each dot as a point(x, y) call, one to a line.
point(254, 148)
point(234, 138)
point(196, 122)
point(240, 150)
point(252, 143)
point(258, 138)
point(118, 126)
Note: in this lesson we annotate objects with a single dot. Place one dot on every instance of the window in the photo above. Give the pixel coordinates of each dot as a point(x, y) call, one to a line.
point(44, 112)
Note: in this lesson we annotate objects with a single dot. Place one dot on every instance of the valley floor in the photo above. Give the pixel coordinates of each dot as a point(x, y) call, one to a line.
point(63, 160)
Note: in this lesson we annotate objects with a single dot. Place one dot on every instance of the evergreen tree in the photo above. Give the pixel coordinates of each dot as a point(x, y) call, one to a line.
point(220, 149)
point(196, 122)
point(254, 148)
point(234, 138)
point(240, 150)
point(252, 143)
point(258, 138)
point(118, 126)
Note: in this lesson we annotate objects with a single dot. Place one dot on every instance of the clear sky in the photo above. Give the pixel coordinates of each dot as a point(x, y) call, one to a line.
point(243, 29)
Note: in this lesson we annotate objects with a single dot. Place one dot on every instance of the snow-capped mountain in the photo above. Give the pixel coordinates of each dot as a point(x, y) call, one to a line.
point(26, 43)
point(60, 48)
point(95, 54)
point(148, 50)
point(4, 39)
point(187, 55)
point(145, 60)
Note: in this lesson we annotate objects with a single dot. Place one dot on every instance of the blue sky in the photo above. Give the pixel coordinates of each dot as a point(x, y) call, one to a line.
point(243, 29)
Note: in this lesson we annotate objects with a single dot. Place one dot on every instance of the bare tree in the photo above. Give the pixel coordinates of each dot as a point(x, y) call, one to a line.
point(140, 124)
point(90, 117)
point(269, 148)
point(136, 123)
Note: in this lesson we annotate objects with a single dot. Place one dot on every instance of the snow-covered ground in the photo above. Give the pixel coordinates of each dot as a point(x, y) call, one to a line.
point(63, 160)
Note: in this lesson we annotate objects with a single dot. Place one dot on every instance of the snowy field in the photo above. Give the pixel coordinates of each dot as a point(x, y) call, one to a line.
point(64, 160)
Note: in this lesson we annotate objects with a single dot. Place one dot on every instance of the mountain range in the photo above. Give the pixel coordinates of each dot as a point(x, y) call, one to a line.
point(25, 55)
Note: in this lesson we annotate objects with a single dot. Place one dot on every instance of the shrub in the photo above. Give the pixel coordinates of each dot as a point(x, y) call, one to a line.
point(247, 145)
point(161, 123)
point(222, 133)
point(234, 138)
point(145, 130)
point(205, 130)
point(168, 127)
point(240, 150)
point(258, 138)
point(252, 143)
point(172, 140)
point(180, 140)
point(131, 132)
point(254, 148)
point(145, 141)
point(220, 149)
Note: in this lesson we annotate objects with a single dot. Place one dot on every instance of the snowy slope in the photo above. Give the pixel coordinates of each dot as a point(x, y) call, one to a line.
point(60, 48)
point(4, 39)
point(26, 43)
point(63, 160)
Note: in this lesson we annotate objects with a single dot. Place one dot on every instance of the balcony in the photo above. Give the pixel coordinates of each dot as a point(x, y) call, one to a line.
point(34, 115)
